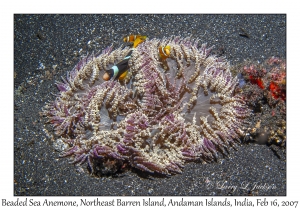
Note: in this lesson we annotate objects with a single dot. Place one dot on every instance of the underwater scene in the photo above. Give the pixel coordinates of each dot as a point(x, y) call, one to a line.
point(150, 105)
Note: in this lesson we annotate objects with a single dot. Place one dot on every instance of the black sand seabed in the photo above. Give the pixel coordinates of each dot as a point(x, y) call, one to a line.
point(47, 46)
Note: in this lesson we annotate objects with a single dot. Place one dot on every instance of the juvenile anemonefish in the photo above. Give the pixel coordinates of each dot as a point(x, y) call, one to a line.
point(136, 39)
point(164, 52)
point(120, 70)
point(137, 42)
point(132, 38)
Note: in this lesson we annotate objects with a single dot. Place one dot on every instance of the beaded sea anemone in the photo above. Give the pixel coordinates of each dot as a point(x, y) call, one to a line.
point(163, 114)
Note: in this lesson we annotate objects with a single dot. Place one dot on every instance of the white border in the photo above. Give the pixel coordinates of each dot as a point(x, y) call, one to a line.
point(153, 6)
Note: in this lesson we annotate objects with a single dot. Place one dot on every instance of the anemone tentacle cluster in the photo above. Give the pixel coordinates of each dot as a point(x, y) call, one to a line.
point(164, 113)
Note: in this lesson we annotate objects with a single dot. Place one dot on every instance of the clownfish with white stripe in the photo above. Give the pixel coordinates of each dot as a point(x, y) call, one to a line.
point(135, 39)
point(132, 38)
point(120, 70)
point(164, 52)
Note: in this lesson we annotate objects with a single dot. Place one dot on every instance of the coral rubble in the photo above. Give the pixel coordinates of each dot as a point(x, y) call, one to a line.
point(264, 90)
point(164, 113)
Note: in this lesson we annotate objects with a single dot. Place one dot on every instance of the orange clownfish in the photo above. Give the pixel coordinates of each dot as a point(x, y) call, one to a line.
point(136, 39)
point(164, 52)
point(132, 38)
